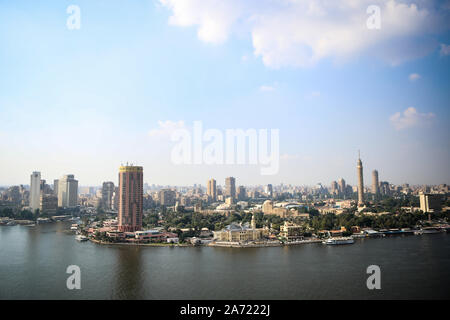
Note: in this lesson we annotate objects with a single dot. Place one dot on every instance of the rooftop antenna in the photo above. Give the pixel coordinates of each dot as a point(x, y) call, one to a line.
point(359, 154)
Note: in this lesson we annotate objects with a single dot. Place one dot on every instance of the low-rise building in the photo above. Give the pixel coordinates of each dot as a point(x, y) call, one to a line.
point(241, 233)
point(291, 231)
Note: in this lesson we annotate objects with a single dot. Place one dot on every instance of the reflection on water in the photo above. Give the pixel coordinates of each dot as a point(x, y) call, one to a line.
point(129, 276)
point(33, 263)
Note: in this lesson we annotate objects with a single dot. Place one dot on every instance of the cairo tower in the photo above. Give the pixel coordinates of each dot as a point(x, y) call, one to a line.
point(360, 182)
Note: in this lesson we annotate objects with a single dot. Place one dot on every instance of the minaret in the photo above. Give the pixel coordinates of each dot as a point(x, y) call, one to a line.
point(253, 224)
point(360, 181)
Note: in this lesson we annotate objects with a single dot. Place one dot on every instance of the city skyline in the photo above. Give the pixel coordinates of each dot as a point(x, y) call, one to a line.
point(82, 101)
point(373, 184)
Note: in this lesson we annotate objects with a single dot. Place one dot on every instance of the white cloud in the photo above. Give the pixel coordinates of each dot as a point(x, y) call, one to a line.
point(165, 128)
point(214, 18)
point(302, 32)
point(445, 49)
point(267, 88)
point(410, 118)
point(414, 76)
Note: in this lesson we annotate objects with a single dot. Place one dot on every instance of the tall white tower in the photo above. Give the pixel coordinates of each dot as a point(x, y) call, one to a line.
point(360, 181)
point(35, 191)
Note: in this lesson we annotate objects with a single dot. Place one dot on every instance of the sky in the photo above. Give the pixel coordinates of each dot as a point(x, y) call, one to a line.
point(333, 77)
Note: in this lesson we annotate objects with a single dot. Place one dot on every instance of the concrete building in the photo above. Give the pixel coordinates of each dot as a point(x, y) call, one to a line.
point(291, 231)
point(230, 187)
point(241, 193)
point(334, 188)
point(269, 190)
point(45, 188)
point(68, 192)
point(385, 188)
point(35, 191)
point(48, 203)
point(359, 168)
point(430, 202)
point(107, 193)
point(375, 184)
point(269, 208)
point(55, 187)
point(167, 197)
point(211, 189)
point(131, 189)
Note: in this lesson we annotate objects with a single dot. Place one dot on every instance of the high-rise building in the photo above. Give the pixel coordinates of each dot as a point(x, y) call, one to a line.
point(107, 195)
point(45, 188)
point(230, 187)
point(269, 190)
point(334, 188)
point(241, 193)
point(55, 187)
point(167, 197)
point(115, 199)
point(385, 188)
point(360, 182)
point(48, 203)
point(68, 191)
point(342, 187)
point(375, 183)
point(430, 202)
point(211, 189)
point(35, 191)
point(131, 189)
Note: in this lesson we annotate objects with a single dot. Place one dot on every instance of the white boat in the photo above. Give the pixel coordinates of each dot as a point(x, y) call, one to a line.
point(428, 230)
point(340, 240)
point(81, 238)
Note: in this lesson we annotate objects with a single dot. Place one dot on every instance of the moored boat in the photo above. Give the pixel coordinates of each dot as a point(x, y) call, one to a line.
point(81, 238)
point(340, 240)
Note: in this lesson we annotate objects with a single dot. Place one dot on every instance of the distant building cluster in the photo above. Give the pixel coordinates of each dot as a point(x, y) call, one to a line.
point(131, 198)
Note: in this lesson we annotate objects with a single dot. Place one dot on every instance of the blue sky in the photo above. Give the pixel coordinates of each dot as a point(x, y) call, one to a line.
point(84, 101)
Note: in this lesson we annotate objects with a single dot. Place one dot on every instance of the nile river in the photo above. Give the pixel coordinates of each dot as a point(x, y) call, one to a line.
point(33, 262)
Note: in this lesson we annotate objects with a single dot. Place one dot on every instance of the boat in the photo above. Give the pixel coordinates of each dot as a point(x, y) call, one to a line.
point(11, 223)
point(74, 227)
point(430, 230)
point(81, 238)
point(359, 235)
point(340, 240)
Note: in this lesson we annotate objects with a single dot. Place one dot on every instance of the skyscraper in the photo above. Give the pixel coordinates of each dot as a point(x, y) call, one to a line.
point(107, 195)
point(35, 191)
point(131, 189)
point(342, 187)
point(230, 187)
point(55, 187)
point(375, 184)
point(68, 191)
point(360, 182)
point(211, 189)
point(241, 193)
point(269, 190)
point(334, 188)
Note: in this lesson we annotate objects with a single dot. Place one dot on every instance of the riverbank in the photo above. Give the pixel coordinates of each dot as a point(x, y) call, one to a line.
point(142, 244)
point(224, 244)
point(261, 245)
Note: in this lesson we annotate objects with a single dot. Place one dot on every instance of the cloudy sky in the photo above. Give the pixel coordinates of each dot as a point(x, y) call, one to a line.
point(329, 75)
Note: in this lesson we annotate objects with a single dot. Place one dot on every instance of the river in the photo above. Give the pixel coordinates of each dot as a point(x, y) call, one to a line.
point(33, 263)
